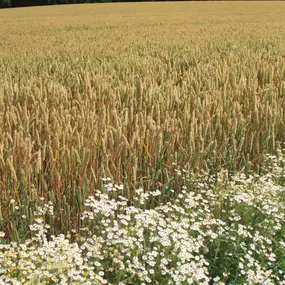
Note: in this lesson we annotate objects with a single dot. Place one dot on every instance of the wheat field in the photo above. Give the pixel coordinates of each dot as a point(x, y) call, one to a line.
point(135, 92)
point(143, 143)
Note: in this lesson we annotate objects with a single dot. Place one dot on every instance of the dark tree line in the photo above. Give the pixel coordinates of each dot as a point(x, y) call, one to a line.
point(22, 3)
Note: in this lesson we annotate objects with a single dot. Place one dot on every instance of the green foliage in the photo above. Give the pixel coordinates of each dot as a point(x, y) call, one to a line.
point(5, 3)
point(22, 3)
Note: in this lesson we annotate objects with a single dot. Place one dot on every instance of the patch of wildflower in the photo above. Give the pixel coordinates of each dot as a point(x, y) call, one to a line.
point(223, 231)
point(274, 166)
